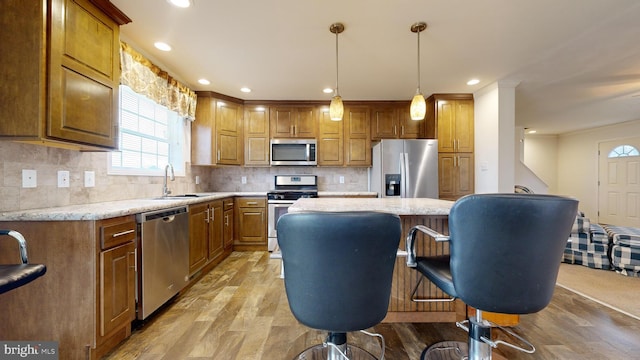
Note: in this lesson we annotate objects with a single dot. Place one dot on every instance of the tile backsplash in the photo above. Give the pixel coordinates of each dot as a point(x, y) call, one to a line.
point(47, 161)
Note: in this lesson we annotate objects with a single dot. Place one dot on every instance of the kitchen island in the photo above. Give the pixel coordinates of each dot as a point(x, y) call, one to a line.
point(432, 213)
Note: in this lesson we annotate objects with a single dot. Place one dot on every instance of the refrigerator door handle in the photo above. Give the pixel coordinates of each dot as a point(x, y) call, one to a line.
point(404, 166)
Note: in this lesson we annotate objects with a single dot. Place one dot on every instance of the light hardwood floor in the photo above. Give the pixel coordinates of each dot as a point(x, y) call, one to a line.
point(239, 311)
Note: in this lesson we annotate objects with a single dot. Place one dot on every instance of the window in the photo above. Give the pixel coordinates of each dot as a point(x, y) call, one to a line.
point(151, 136)
point(623, 150)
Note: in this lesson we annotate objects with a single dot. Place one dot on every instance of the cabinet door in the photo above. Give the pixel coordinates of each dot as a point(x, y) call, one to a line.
point(384, 123)
point(252, 226)
point(446, 125)
point(281, 121)
point(409, 129)
point(455, 175)
point(305, 124)
point(464, 126)
point(203, 139)
point(216, 237)
point(357, 129)
point(330, 141)
point(465, 180)
point(230, 142)
point(198, 236)
point(117, 287)
point(84, 64)
point(228, 224)
point(256, 136)
point(455, 125)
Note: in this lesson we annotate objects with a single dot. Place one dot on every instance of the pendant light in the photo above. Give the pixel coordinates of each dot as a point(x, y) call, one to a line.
point(418, 107)
point(336, 109)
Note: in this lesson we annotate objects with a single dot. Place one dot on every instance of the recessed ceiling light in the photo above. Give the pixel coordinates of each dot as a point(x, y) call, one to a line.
point(531, 132)
point(162, 46)
point(245, 89)
point(204, 82)
point(180, 3)
point(327, 90)
point(473, 82)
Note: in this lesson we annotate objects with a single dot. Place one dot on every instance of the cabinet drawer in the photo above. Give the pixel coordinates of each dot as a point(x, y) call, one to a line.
point(227, 204)
point(114, 233)
point(252, 202)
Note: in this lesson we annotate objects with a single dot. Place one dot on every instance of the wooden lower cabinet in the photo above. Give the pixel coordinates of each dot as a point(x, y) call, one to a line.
point(206, 235)
point(250, 224)
point(86, 299)
point(227, 232)
point(455, 175)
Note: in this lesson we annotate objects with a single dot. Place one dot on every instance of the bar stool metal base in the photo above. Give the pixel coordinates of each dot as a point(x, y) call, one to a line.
point(446, 350)
point(323, 352)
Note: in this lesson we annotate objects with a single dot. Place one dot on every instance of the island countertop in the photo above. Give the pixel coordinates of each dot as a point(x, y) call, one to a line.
point(398, 206)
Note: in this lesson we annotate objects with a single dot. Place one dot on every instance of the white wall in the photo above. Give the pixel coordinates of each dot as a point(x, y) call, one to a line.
point(494, 150)
point(486, 114)
point(577, 159)
point(540, 155)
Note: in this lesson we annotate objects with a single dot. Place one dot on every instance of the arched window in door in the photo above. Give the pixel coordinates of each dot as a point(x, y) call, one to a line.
point(624, 150)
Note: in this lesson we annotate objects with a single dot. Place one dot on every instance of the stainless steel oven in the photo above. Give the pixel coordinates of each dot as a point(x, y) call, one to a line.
point(275, 209)
point(288, 189)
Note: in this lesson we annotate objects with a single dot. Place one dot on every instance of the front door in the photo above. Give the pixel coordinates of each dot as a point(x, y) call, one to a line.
point(619, 182)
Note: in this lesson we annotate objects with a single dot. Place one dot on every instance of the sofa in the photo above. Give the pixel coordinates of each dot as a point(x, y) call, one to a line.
point(588, 245)
point(625, 249)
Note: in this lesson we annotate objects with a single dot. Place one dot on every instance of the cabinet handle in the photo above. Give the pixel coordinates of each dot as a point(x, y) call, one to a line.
point(252, 203)
point(395, 130)
point(135, 260)
point(402, 130)
point(122, 233)
point(226, 220)
point(218, 154)
point(206, 219)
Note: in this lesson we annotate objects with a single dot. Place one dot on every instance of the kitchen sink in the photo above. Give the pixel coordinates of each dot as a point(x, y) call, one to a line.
point(177, 197)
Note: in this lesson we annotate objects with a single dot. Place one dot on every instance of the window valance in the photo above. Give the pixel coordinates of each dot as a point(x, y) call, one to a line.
point(145, 78)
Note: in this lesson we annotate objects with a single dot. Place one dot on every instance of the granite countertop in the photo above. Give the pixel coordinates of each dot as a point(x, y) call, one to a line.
point(109, 209)
point(398, 206)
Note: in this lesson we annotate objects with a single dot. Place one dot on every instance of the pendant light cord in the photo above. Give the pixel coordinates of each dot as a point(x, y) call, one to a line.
point(418, 61)
point(337, 92)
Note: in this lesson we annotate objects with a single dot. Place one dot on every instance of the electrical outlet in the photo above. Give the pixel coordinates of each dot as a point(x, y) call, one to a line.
point(63, 179)
point(341, 179)
point(197, 179)
point(29, 178)
point(89, 179)
point(244, 179)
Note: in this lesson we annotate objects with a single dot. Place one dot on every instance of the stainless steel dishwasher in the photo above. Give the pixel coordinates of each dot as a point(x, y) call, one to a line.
point(164, 257)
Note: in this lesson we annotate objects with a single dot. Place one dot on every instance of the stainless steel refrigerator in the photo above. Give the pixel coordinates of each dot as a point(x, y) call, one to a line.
point(405, 168)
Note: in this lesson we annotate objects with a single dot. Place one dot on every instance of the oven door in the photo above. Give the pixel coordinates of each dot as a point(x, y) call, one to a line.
point(275, 209)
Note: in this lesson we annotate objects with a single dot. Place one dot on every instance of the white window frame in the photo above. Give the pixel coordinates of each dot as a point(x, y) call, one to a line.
point(175, 134)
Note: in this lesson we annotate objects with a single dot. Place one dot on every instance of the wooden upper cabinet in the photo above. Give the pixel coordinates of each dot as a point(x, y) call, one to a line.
point(293, 122)
point(454, 121)
point(217, 132)
point(393, 121)
point(357, 136)
point(203, 139)
point(230, 142)
point(410, 129)
point(330, 140)
point(70, 97)
point(384, 123)
point(256, 135)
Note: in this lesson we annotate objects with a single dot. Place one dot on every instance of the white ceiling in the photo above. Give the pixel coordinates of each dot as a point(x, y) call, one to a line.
point(577, 61)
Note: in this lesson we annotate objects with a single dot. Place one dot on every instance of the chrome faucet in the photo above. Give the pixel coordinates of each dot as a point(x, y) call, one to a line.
point(165, 189)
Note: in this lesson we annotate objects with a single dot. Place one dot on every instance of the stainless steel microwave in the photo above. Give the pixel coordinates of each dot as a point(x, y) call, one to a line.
point(295, 152)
